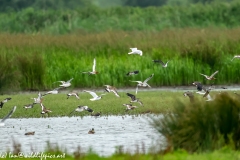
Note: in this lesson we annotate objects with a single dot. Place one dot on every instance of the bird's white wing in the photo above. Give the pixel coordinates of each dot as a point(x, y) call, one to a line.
point(92, 93)
point(133, 49)
point(203, 75)
point(94, 65)
point(116, 93)
point(9, 114)
point(166, 63)
point(139, 52)
point(214, 74)
point(69, 80)
point(61, 82)
point(137, 81)
point(148, 78)
point(39, 95)
point(237, 56)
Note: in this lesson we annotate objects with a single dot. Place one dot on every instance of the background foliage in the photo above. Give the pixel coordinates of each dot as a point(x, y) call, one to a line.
point(91, 19)
point(44, 45)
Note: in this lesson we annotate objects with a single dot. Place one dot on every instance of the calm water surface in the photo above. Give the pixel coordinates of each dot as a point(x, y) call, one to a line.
point(71, 132)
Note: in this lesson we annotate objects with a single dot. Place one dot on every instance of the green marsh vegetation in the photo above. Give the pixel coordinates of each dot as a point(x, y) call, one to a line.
point(42, 47)
point(39, 48)
point(54, 150)
point(202, 127)
point(37, 61)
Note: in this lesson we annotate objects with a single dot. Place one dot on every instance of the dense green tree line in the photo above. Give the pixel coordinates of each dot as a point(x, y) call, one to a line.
point(16, 5)
point(93, 19)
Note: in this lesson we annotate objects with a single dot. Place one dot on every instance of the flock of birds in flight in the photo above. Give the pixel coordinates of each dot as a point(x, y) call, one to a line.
point(108, 88)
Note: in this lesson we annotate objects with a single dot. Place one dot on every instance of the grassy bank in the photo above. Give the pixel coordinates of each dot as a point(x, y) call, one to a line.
point(35, 62)
point(108, 105)
point(153, 102)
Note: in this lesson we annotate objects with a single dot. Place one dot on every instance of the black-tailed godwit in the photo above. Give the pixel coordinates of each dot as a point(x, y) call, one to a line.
point(134, 99)
point(93, 68)
point(144, 83)
point(190, 95)
point(111, 89)
point(199, 86)
point(73, 94)
point(210, 77)
point(54, 91)
point(161, 62)
point(44, 109)
point(4, 101)
point(65, 84)
point(132, 73)
point(81, 109)
point(29, 106)
point(94, 95)
point(129, 107)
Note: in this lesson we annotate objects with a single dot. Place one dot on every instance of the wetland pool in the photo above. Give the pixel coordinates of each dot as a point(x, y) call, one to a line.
point(133, 133)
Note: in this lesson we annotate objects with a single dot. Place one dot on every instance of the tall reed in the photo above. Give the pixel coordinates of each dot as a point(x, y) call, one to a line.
point(190, 51)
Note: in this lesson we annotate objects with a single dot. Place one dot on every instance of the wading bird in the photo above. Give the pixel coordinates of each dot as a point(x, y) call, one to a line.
point(129, 107)
point(237, 56)
point(94, 95)
point(161, 62)
point(4, 101)
point(7, 116)
point(134, 99)
point(93, 68)
point(96, 114)
point(206, 94)
point(111, 89)
point(81, 109)
point(132, 73)
point(210, 77)
point(190, 95)
point(91, 131)
point(144, 83)
point(199, 86)
point(55, 91)
point(44, 110)
point(28, 106)
point(29, 133)
point(65, 84)
point(135, 51)
point(73, 94)
point(38, 99)
point(209, 98)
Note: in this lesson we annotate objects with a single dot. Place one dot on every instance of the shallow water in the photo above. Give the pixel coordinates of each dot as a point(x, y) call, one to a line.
point(71, 132)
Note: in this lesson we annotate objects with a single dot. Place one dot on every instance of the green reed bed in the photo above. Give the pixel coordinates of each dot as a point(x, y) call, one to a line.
point(37, 61)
